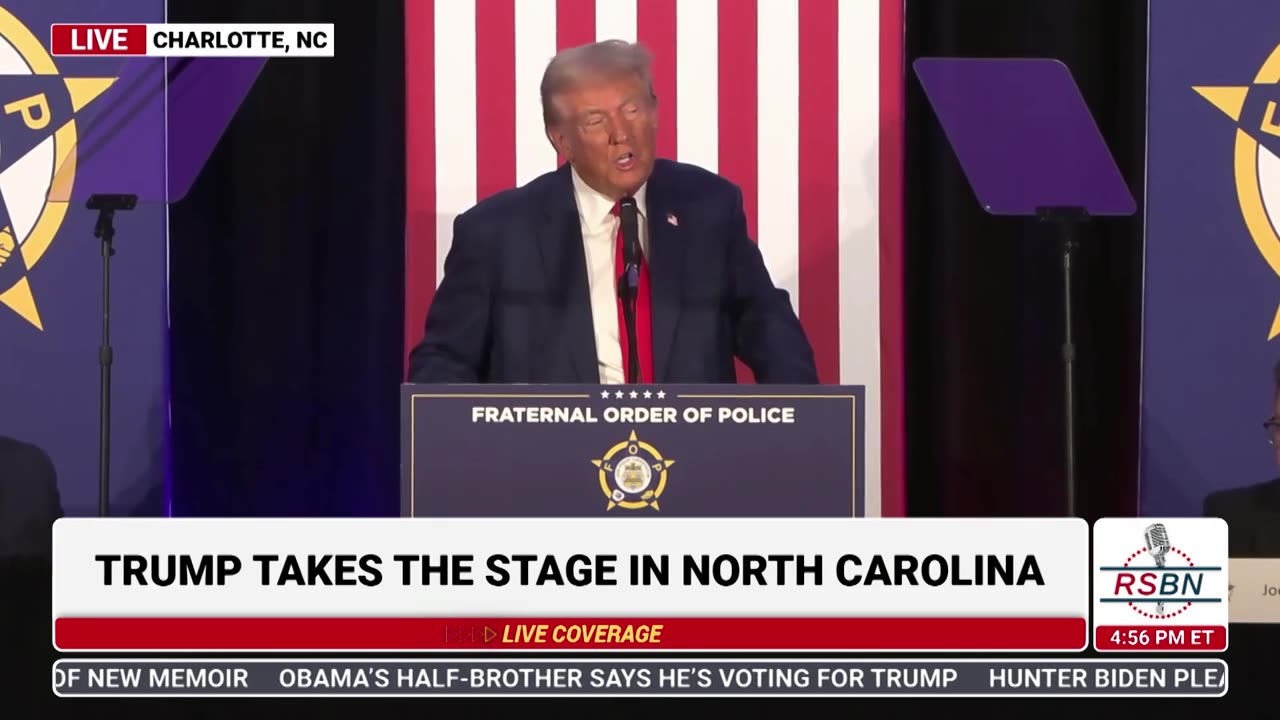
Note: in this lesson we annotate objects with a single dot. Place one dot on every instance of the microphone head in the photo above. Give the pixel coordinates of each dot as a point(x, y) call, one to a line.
point(1157, 538)
point(629, 215)
point(627, 209)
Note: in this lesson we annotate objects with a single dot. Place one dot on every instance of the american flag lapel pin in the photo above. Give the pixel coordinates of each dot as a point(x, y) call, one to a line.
point(671, 219)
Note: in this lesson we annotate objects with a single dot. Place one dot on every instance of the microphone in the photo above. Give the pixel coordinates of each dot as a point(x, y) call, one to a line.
point(629, 280)
point(1157, 538)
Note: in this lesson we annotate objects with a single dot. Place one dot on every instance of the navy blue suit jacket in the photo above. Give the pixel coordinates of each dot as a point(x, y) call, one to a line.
point(513, 305)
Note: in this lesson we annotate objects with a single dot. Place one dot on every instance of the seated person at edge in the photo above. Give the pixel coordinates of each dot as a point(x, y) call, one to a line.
point(1253, 512)
point(529, 291)
point(29, 500)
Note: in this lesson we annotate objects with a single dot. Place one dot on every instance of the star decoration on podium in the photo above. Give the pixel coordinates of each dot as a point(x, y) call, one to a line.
point(634, 394)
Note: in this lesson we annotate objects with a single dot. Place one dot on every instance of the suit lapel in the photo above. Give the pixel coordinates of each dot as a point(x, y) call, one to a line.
point(565, 263)
point(666, 250)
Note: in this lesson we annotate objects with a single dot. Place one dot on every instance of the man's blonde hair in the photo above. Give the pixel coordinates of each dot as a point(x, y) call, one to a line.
point(607, 58)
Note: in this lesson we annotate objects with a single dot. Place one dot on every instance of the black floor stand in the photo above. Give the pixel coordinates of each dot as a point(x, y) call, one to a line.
point(1068, 221)
point(105, 230)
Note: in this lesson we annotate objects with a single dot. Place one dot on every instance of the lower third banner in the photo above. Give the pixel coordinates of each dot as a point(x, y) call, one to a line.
point(570, 584)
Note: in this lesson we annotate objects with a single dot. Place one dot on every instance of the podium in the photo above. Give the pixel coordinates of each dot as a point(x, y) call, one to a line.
point(632, 451)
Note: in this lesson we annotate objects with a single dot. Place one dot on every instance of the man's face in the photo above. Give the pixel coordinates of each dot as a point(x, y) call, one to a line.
point(607, 129)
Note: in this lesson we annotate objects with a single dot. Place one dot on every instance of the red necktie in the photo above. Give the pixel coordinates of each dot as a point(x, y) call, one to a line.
point(643, 328)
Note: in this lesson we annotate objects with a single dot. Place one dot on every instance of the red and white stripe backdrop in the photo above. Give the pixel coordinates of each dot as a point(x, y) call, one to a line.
point(799, 102)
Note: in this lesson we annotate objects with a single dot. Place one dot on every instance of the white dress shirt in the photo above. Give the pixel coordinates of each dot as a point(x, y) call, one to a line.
point(599, 238)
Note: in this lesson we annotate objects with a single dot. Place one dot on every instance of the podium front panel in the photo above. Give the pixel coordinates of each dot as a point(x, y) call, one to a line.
point(632, 451)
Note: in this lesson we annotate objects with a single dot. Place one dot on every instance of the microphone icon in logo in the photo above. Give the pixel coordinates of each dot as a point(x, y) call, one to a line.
point(1157, 539)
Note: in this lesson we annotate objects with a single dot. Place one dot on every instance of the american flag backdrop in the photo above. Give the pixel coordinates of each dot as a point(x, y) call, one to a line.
point(799, 102)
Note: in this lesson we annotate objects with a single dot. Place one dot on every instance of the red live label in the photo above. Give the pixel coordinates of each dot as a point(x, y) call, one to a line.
point(98, 39)
point(1139, 638)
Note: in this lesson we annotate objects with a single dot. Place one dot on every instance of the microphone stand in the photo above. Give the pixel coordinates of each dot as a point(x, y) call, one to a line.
point(628, 286)
point(104, 229)
point(629, 283)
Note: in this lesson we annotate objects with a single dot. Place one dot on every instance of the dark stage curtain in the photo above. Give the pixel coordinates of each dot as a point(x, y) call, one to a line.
point(286, 275)
point(984, 303)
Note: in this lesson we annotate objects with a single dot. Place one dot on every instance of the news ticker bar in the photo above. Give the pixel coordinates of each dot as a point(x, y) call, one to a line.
point(234, 677)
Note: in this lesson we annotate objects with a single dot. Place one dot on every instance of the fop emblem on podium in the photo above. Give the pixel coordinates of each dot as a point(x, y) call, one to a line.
point(1160, 584)
point(633, 474)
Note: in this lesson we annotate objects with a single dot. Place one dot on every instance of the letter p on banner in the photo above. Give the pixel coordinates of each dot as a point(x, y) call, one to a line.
point(1160, 584)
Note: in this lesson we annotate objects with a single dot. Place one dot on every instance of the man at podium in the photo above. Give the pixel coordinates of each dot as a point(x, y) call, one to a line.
point(1253, 512)
point(532, 285)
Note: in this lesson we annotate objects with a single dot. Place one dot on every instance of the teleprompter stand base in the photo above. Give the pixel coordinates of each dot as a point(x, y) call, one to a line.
point(1068, 221)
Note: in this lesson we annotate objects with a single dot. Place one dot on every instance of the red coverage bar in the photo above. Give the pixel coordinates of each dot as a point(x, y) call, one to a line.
point(373, 634)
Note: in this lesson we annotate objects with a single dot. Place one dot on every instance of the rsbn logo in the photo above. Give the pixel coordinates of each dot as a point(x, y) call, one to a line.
point(1159, 580)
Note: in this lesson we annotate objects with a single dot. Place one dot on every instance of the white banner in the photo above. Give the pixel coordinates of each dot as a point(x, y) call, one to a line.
point(571, 568)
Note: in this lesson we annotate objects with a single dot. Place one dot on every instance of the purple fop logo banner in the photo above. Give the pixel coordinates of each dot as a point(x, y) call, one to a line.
point(1212, 288)
point(51, 263)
